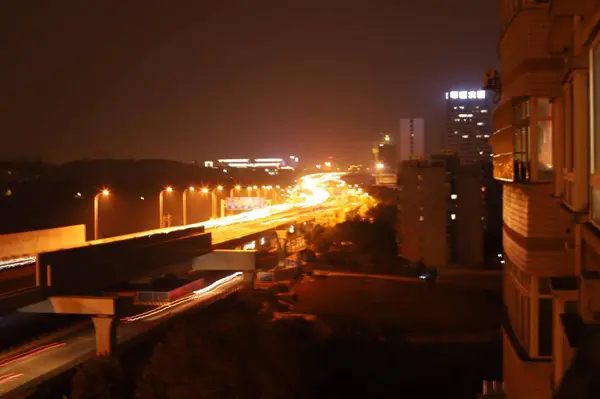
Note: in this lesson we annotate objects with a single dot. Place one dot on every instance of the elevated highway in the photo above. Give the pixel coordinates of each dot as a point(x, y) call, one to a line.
point(86, 269)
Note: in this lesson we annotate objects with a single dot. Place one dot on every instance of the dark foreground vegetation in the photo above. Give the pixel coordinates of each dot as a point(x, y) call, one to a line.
point(238, 349)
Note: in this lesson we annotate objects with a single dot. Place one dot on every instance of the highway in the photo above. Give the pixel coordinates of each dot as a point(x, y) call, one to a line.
point(27, 369)
point(313, 197)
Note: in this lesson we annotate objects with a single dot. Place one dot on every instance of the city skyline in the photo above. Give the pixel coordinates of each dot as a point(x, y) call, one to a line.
point(185, 83)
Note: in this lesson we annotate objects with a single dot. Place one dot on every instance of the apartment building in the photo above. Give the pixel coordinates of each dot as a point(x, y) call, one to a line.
point(412, 139)
point(546, 151)
point(440, 212)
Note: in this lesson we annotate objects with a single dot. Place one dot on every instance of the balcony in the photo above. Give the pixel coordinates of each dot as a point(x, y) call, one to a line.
point(537, 231)
point(522, 140)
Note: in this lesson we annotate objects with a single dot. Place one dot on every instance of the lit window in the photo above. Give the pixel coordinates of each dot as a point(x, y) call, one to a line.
point(465, 115)
point(457, 120)
point(421, 218)
point(446, 95)
point(472, 94)
point(484, 111)
point(481, 94)
point(461, 106)
point(479, 123)
point(478, 136)
point(453, 216)
point(462, 95)
point(465, 136)
point(454, 196)
point(456, 132)
point(486, 136)
point(480, 152)
point(454, 107)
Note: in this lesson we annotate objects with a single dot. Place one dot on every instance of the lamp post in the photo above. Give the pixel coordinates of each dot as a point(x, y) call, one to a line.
point(213, 199)
point(161, 204)
point(102, 193)
point(236, 188)
point(184, 199)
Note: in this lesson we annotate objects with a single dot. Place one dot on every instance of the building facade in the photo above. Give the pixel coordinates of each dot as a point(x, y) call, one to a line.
point(412, 139)
point(440, 212)
point(468, 124)
point(545, 151)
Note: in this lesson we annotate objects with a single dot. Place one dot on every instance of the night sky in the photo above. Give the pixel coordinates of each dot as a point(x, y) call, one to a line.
point(192, 80)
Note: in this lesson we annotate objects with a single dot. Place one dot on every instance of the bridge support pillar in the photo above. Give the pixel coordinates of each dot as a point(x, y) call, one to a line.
point(106, 334)
point(281, 241)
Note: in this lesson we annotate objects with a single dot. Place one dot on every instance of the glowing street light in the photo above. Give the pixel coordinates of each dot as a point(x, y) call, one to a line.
point(213, 199)
point(236, 188)
point(161, 195)
point(103, 193)
point(379, 166)
point(184, 200)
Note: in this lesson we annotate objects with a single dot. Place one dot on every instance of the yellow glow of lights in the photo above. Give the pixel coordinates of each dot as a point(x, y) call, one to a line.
point(328, 164)
point(105, 192)
point(191, 188)
point(379, 166)
point(169, 189)
point(205, 191)
point(238, 187)
point(220, 188)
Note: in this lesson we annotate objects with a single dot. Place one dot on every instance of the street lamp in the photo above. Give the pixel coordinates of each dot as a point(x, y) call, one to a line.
point(103, 193)
point(213, 201)
point(237, 188)
point(184, 199)
point(161, 204)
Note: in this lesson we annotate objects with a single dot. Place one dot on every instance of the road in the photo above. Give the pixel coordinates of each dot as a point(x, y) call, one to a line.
point(27, 369)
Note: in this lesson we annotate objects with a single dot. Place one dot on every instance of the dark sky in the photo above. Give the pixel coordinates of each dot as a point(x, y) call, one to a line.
point(191, 80)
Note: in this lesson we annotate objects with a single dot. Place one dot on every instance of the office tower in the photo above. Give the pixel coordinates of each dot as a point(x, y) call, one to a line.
point(546, 151)
point(412, 139)
point(440, 212)
point(468, 124)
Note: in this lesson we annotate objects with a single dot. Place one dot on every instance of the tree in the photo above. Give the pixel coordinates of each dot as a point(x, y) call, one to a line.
point(98, 378)
point(230, 354)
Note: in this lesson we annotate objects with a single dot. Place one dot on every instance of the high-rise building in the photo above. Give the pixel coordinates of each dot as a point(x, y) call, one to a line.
point(468, 124)
point(546, 151)
point(412, 139)
point(441, 216)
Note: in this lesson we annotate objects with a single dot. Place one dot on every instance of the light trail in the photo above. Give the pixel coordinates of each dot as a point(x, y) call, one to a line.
point(30, 353)
point(16, 262)
point(313, 195)
point(9, 377)
point(208, 291)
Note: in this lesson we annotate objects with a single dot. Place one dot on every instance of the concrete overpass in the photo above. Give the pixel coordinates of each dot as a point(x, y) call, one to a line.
point(72, 280)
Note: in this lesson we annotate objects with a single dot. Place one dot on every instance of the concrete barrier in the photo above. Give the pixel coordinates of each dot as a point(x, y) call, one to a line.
point(34, 242)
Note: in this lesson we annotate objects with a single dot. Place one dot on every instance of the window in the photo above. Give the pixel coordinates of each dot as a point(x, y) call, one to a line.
point(545, 327)
point(595, 137)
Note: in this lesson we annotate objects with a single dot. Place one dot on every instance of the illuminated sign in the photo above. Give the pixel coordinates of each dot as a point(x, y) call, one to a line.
point(466, 95)
point(244, 203)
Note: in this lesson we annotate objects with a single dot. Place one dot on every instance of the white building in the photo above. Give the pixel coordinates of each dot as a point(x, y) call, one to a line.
point(412, 139)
